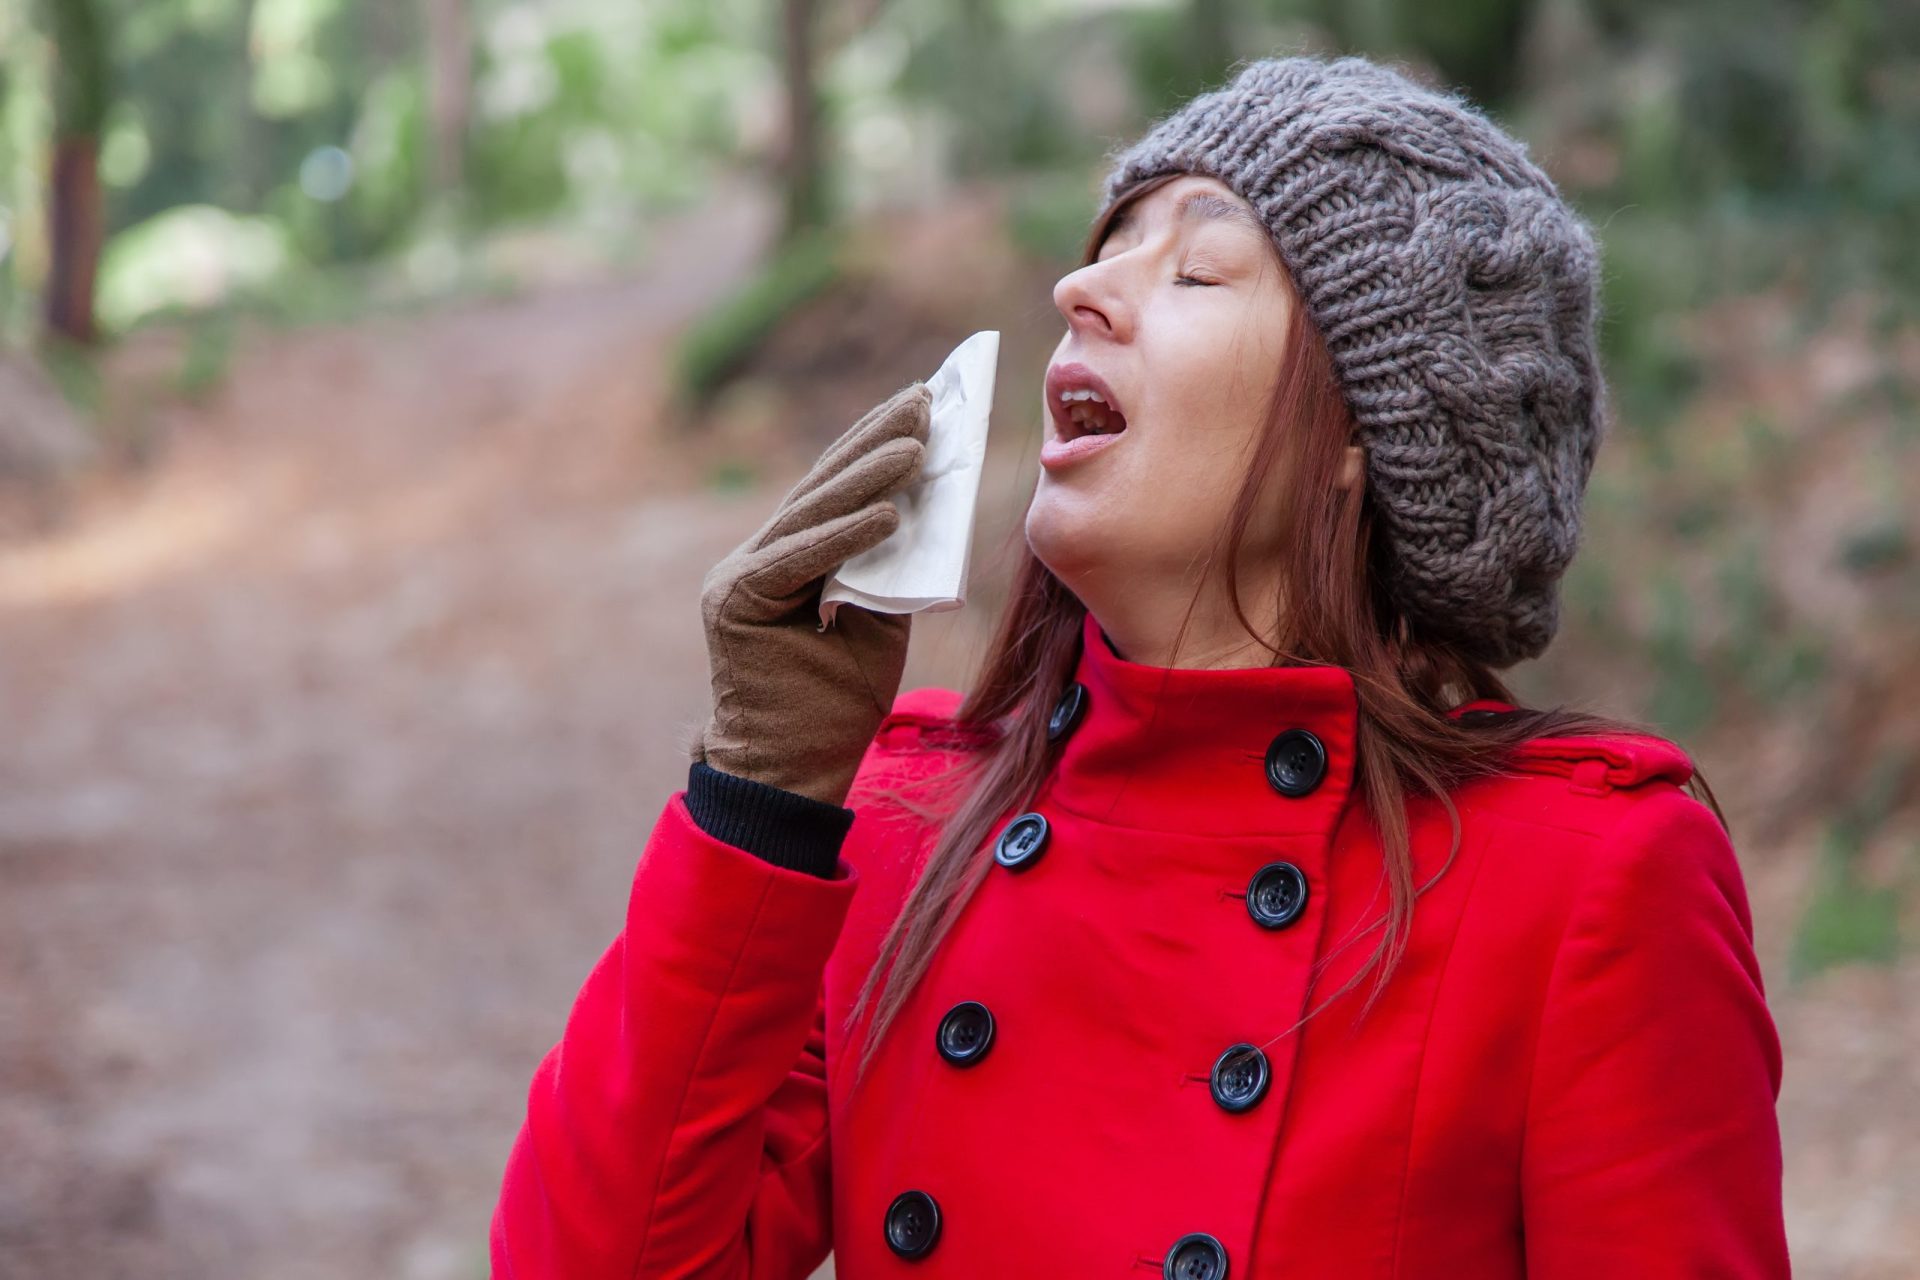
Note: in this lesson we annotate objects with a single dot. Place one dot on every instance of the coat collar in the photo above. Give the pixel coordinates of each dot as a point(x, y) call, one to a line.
point(1186, 749)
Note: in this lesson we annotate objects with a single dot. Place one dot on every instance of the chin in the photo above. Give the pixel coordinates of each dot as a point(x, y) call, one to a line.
point(1063, 531)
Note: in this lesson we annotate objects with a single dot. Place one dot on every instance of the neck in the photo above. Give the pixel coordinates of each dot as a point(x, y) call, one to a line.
point(1148, 631)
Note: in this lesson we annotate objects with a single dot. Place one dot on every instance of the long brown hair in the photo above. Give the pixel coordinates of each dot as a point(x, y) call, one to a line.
point(1336, 613)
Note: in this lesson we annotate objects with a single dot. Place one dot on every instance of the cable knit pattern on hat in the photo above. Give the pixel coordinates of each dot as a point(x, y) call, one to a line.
point(1457, 294)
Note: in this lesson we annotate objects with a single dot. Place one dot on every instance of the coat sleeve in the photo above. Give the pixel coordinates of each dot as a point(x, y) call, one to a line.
point(679, 1127)
point(1652, 1143)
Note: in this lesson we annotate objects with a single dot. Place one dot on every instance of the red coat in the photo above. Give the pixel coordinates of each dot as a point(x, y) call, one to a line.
point(1572, 1073)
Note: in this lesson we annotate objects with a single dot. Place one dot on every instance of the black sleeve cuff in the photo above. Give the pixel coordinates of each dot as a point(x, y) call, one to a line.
point(784, 827)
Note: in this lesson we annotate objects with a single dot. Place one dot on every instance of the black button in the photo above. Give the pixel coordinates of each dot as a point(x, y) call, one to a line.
point(965, 1034)
point(1066, 712)
point(1296, 761)
point(1022, 842)
point(913, 1224)
point(1240, 1077)
point(1196, 1256)
point(1277, 895)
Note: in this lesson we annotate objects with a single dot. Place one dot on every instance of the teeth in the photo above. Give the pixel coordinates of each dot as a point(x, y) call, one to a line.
point(1089, 420)
point(1089, 411)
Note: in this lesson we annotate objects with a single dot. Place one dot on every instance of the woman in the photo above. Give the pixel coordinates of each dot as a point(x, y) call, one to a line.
point(1062, 977)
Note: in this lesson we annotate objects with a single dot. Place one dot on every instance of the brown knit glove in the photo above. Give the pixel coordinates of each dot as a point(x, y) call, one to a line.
point(794, 706)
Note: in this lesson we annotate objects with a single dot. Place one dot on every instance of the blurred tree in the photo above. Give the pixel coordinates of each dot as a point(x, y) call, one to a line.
point(75, 217)
point(1472, 44)
point(450, 77)
point(802, 161)
point(979, 58)
point(1213, 37)
point(997, 79)
point(844, 21)
point(1176, 52)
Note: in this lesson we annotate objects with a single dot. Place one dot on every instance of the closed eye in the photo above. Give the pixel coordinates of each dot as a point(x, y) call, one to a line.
point(1193, 280)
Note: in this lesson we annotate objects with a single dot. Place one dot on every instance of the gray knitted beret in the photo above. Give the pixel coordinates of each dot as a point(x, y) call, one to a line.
point(1457, 294)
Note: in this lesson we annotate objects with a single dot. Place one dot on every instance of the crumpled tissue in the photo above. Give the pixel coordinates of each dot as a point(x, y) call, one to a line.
point(922, 564)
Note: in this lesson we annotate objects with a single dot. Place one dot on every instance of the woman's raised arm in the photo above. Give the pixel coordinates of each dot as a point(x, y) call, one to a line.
point(679, 1127)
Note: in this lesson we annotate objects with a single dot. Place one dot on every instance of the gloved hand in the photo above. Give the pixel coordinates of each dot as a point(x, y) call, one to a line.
point(794, 706)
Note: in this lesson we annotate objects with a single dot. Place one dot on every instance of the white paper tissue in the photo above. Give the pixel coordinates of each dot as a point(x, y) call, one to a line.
point(922, 565)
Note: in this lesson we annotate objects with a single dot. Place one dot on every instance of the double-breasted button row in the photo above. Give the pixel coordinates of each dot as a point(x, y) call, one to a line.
point(1276, 895)
point(1239, 1078)
point(913, 1228)
point(1296, 763)
point(1296, 758)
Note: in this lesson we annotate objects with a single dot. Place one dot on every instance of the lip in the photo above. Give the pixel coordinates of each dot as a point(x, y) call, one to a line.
point(1073, 376)
point(1056, 453)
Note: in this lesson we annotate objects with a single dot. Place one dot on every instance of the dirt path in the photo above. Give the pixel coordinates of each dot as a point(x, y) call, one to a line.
point(329, 747)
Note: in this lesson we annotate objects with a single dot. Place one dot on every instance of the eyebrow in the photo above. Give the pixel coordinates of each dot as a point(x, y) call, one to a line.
point(1203, 205)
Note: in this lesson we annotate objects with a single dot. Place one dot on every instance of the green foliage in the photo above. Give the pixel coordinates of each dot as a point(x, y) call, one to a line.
point(26, 127)
point(390, 175)
point(1165, 59)
point(1743, 138)
point(188, 257)
point(1882, 543)
point(1765, 441)
point(994, 82)
point(209, 352)
point(1848, 919)
point(1845, 920)
point(1792, 664)
point(1474, 44)
point(1767, 655)
point(715, 347)
point(1048, 216)
point(1648, 283)
point(1590, 595)
point(76, 371)
point(83, 81)
point(732, 475)
point(1782, 126)
point(1684, 695)
point(605, 112)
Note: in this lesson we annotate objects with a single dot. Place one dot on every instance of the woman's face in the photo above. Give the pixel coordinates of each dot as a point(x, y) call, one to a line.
point(1181, 319)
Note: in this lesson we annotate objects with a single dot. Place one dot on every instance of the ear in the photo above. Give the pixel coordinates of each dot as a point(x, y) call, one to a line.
point(1354, 467)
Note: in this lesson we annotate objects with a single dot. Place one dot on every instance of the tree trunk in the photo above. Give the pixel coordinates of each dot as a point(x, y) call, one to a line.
point(450, 80)
point(74, 227)
point(76, 220)
point(801, 164)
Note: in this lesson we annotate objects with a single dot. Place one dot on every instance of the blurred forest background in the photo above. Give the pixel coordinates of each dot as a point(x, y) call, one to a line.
point(377, 381)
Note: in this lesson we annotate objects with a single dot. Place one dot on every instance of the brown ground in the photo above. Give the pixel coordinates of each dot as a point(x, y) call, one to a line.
point(331, 741)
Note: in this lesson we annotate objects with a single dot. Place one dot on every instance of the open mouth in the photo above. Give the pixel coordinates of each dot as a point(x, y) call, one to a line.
point(1081, 403)
point(1083, 414)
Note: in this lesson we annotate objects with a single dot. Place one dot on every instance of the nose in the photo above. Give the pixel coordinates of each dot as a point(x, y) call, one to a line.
point(1087, 299)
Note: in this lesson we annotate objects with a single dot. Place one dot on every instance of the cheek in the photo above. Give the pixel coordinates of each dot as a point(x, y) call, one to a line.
point(1188, 488)
point(1207, 425)
point(1210, 379)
